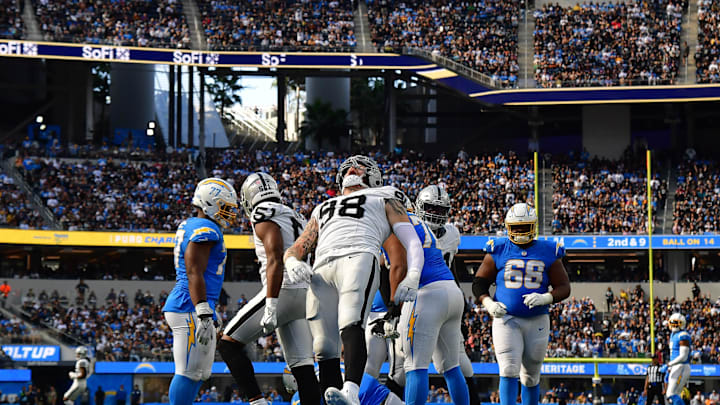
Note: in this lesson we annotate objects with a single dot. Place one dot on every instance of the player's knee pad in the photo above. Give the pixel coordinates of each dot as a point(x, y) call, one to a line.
point(466, 366)
point(326, 347)
point(509, 370)
point(298, 361)
point(529, 380)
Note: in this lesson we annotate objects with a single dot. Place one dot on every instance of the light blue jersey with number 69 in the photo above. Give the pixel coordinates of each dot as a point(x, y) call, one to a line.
point(197, 230)
point(522, 271)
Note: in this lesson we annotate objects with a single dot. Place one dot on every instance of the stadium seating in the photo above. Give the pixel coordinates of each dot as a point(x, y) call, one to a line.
point(608, 43)
point(123, 23)
point(278, 25)
point(707, 56)
point(104, 194)
point(11, 22)
point(121, 328)
point(603, 197)
point(15, 209)
point(481, 35)
point(697, 207)
point(305, 180)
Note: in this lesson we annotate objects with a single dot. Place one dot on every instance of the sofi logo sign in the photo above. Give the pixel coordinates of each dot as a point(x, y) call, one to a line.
point(32, 352)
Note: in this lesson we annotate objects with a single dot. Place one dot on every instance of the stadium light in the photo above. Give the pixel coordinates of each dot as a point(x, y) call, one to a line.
point(151, 124)
point(42, 127)
point(150, 132)
point(39, 119)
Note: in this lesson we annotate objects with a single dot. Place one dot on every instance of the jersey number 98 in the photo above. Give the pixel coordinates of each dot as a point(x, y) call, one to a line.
point(519, 273)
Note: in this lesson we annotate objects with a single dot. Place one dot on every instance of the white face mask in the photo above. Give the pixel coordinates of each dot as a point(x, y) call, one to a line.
point(352, 180)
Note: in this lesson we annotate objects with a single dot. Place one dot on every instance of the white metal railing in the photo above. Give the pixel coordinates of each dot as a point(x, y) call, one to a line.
point(454, 66)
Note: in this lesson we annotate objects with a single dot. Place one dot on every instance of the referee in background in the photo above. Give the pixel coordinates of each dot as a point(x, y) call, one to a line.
point(654, 383)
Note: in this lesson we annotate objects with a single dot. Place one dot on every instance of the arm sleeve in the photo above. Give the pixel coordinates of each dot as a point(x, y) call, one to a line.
point(682, 357)
point(405, 232)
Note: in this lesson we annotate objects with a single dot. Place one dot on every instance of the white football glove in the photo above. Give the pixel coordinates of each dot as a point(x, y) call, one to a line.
point(73, 375)
point(533, 300)
point(269, 319)
point(297, 270)
point(494, 308)
point(205, 329)
point(408, 288)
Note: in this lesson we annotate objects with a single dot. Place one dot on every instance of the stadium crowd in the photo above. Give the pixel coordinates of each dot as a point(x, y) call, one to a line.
point(121, 328)
point(500, 180)
point(707, 55)
point(121, 23)
point(697, 198)
point(11, 22)
point(106, 194)
point(278, 25)
point(16, 211)
point(608, 43)
point(602, 196)
point(482, 35)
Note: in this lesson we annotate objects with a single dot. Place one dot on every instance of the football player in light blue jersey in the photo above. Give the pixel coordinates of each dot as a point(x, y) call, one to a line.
point(678, 368)
point(430, 324)
point(200, 267)
point(522, 269)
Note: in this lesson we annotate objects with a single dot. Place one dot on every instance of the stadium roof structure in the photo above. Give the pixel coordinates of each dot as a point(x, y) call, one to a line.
point(474, 85)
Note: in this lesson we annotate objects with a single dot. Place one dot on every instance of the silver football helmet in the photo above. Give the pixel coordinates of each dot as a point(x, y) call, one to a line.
point(433, 206)
point(81, 352)
point(217, 199)
point(372, 177)
point(289, 381)
point(257, 187)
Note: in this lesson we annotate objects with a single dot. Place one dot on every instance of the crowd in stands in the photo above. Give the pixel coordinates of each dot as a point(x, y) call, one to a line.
point(119, 188)
point(50, 147)
point(482, 35)
point(608, 43)
point(707, 55)
point(121, 23)
point(122, 327)
point(603, 196)
point(11, 22)
point(13, 330)
point(278, 25)
point(105, 194)
point(697, 198)
point(16, 211)
point(499, 180)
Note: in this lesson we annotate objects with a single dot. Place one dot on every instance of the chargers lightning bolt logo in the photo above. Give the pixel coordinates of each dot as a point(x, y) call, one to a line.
point(411, 328)
point(191, 335)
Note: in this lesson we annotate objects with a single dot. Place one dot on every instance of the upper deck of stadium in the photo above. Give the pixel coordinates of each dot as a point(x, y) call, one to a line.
point(512, 44)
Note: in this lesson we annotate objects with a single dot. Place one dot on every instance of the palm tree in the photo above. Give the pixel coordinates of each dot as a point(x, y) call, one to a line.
point(324, 126)
point(224, 90)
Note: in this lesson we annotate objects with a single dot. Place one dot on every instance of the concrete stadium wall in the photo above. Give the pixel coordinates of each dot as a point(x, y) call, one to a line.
point(606, 129)
point(596, 291)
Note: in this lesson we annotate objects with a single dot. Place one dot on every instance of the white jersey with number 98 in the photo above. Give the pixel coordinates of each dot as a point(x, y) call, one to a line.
point(353, 223)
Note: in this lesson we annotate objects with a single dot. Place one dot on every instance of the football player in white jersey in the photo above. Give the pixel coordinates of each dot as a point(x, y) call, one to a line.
point(346, 233)
point(433, 208)
point(280, 305)
point(79, 376)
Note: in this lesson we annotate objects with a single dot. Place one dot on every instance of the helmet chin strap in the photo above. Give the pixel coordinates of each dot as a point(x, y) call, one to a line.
point(352, 180)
